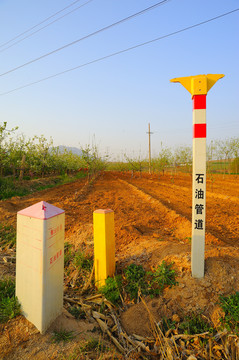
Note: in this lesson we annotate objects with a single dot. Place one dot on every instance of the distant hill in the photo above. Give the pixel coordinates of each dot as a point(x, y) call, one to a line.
point(73, 149)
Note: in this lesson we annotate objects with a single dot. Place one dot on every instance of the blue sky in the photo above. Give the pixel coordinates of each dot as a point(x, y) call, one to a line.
point(112, 101)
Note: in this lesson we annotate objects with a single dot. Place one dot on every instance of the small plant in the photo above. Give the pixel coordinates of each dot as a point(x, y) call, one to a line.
point(135, 277)
point(7, 236)
point(62, 335)
point(167, 324)
point(7, 288)
point(195, 324)
point(67, 253)
point(163, 276)
point(136, 281)
point(93, 345)
point(111, 289)
point(91, 349)
point(9, 305)
point(230, 305)
point(77, 312)
point(9, 308)
point(82, 261)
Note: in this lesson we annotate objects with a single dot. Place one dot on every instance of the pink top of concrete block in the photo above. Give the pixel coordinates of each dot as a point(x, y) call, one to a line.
point(41, 210)
point(102, 211)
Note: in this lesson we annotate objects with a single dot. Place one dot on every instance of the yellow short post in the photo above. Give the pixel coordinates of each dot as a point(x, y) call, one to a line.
point(104, 245)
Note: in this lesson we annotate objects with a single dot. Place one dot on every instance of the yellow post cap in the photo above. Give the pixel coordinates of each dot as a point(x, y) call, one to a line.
point(198, 84)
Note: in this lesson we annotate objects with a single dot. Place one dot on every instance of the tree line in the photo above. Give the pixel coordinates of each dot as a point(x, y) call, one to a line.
point(222, 157)
point(37, 157)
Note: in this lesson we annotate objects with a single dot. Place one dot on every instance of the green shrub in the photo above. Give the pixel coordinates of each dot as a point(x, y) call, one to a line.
point(230, 305)
point(135, 278)
point(9, 305)
point(7, 288)
point(112, 288)
point(195, 324)
point(9, 308)
point(163, 276)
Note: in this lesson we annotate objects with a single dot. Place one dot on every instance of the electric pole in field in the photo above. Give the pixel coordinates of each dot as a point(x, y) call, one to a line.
point(149, 149)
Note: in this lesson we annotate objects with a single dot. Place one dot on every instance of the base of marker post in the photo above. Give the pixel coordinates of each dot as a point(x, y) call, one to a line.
point(197, 257)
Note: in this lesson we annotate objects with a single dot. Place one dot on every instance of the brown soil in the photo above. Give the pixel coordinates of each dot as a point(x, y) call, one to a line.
point(152, 223)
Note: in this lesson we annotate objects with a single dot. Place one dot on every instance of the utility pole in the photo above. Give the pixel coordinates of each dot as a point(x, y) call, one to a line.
point(211, 155)
point(149, 149)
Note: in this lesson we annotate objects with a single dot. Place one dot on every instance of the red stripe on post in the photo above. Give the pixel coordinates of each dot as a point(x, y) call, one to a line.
point(199, 102)
point(200, 130)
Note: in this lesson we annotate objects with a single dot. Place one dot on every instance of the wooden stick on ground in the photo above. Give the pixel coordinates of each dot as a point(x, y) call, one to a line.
point(105, 328)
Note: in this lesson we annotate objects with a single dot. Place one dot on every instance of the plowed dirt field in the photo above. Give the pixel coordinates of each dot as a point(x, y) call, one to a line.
point(152, 223)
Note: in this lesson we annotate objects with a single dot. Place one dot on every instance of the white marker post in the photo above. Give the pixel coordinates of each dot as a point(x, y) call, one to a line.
point(198, 86)
point(40, 263)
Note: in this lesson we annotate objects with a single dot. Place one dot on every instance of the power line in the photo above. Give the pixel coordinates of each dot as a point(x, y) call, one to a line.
point(121, 52)
point(87, 36)
point(33, 27)
point(43, 27)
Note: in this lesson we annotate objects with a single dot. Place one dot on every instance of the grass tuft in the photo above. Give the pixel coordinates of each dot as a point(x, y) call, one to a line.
point(7, 236)
point(82, 261)
point(167, 324)
point(7, 288)
point(93, 345)
point(68, 254)
point(77, 312)
point(230, 305)
point(62, 335)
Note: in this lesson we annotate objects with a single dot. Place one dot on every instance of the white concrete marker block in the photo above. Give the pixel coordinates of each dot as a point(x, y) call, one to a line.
point(40, 263)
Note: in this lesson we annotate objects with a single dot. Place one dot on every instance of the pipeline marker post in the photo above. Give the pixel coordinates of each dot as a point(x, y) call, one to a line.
point(40, 263)
point(104, 245)
point(198, 86)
